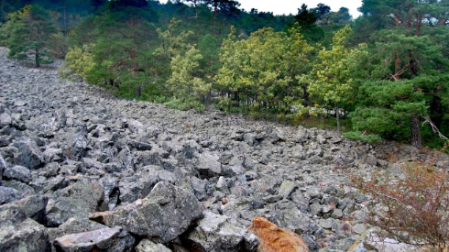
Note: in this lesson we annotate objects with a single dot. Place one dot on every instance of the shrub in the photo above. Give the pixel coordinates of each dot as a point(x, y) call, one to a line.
point(414, 206)
point(357, 135)
point(185, 104)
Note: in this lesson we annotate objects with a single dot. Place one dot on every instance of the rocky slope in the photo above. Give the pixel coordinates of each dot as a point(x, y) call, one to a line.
point(81, 170)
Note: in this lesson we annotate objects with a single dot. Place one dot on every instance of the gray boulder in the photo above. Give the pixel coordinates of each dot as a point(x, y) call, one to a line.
point(18, 172)
point(199, 188)
point(79, 143)
point(219, 233)
point(25, 236)
point(302, 135)
point(166, 213)
point(106, 239)
point(73, 226)
point(208, 165)
point(8, 195)
point(277, 135)
point(5, 120)
point(290, 217)
point(32, 206)
point(77, 200)
point(29, 155)
point(111, 191)
point(136, 187)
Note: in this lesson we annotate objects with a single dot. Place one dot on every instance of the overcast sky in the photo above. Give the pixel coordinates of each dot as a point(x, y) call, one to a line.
point(279, 7)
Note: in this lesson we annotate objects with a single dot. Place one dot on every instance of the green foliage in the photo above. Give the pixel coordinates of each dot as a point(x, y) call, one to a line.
point(185, 104)
point(405, 77)
point(260, 71)
point(79, 61)
point(357, 135)
point(184, 83)
point(29, 31)
point(331, 79)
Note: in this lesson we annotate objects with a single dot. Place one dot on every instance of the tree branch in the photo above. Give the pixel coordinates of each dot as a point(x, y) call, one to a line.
point(434, 127)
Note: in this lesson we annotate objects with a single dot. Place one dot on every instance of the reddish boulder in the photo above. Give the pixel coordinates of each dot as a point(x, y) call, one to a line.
point(275, 239)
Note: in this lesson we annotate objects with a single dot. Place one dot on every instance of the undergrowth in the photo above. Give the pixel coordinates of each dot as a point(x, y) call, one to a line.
point(413, 207)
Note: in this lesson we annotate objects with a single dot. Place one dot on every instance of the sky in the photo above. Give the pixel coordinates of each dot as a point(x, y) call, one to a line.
point(279, 7)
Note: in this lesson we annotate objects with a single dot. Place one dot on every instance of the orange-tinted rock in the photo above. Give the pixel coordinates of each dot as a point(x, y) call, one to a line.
point(275, 239)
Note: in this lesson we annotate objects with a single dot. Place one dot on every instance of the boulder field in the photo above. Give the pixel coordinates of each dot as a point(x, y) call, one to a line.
point(81, 170)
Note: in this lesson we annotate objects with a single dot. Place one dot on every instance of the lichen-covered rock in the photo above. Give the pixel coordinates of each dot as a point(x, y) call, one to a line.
point(163, 215)
point(146, 245)
point(275, 239)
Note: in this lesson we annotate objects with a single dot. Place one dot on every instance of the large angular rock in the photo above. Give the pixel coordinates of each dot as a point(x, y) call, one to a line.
point(18, 172)
point(27, 236)
point(29, 155)
point(219, 233)
point(290, 217)
point(32, 206)
point(5, 120)
point(79, 143)
point(273, 239)
point(208, 165)
point(74, 226)
point(11, 215)
point(136, 187)
point(8, 195)
point(111, 191)
point(106, 239)
point(277, 135)
point(166, 213)
point(77, 200)
point(199, 188)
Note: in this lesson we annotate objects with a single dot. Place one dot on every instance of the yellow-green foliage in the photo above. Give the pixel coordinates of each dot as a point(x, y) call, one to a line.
point(183, 82)
point(79, 61)
point(262, 68)
point(173, 42)
point(331, 78)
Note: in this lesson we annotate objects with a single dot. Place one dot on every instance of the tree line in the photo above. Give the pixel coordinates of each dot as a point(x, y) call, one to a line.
point(385, 72)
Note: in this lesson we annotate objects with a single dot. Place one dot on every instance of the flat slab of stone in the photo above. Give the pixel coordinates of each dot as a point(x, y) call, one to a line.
point(101, 239)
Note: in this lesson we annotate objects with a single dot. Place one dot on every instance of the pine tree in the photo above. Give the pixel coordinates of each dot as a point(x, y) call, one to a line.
point(29, 31)
point(409, 53)
point(331, 79)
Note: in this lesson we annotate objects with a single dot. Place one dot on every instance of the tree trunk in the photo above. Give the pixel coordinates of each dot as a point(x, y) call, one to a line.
point(138, 91)
point(415, 134)
point(337, 114)
point(36, 56)
point(306, 102)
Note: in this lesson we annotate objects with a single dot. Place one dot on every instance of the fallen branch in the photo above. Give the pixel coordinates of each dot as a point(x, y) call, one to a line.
point(434, 127)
